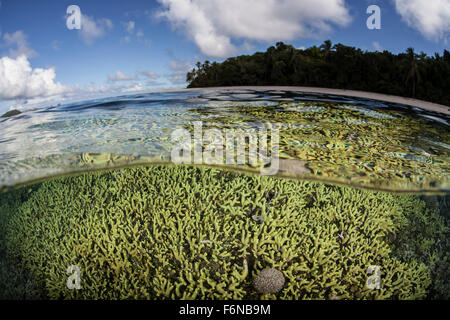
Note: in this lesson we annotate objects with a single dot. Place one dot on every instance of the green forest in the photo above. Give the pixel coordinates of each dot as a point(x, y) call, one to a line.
point(407, 74)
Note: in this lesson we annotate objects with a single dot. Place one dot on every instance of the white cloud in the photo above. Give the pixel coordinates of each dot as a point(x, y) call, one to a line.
point(139, 75)
point(135, 87)
point(125, 39)
point(119, 76)
point(18, 40)
point(140, 34)
point(133, 32)
point(129, 26)
point(377, 46)
point(18, 80)
point(429, 17)
point(56, 45)
point(149, 74)
point(24, 88)
point(213, 24)
point(93, 90)
point(92, 29)
point(179, 69)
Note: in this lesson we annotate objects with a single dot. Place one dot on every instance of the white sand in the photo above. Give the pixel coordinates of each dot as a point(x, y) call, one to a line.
point(351, 93)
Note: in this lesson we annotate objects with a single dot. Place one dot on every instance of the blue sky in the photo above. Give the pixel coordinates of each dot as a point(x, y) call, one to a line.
point(133, 45)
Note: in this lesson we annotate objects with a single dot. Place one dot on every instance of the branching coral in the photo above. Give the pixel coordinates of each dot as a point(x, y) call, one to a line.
point(178, 232)
point(388, 149)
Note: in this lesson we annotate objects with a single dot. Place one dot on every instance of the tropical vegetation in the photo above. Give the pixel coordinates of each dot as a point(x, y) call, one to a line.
point(339, 66)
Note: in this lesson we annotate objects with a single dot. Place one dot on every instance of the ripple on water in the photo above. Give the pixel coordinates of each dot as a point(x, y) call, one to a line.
point(358, 142)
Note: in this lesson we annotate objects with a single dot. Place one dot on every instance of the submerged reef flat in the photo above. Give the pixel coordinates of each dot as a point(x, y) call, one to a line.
point(382, 149)
point(332, 139)
point(181, 232)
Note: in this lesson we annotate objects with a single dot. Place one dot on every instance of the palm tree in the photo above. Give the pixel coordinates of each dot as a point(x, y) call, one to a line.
point(326, 47)
point(413, 69)
point(190, 76)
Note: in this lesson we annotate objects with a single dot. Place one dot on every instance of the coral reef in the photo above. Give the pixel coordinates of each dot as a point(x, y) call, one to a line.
point(387, 149)
point(180, 232)
point(15, 284)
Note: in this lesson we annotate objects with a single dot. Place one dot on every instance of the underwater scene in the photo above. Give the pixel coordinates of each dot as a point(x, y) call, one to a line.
point(225, 194)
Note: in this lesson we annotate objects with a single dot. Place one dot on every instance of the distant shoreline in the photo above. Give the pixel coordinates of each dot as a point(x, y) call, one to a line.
point(348, 93)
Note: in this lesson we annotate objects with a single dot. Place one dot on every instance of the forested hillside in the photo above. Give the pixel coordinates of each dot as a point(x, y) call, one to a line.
point(406, 74)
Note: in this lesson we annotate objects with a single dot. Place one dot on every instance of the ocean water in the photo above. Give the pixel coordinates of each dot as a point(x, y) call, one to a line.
point(350, 199)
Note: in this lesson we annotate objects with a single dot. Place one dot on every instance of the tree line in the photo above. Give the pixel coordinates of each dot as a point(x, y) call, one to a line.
point(406, 74)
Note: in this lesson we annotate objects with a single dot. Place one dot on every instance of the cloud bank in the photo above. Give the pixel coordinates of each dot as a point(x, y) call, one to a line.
point(92, 29)
point(429, 17)
point(178, 70)
point(212, 24)
point(119, 76)
point(19, 81)
point(129, 26)
point(19, 43)
point(149, 74)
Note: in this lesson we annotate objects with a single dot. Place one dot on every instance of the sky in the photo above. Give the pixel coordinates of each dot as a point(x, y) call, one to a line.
point(135, 45)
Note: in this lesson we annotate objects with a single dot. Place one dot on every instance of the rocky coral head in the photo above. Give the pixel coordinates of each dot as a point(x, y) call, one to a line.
point(270, 280)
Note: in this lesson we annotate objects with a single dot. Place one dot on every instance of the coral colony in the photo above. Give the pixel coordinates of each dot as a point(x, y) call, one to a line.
point(183, 232)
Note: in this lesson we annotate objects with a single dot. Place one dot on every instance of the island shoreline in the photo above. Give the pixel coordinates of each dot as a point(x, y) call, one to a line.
point(429, 106)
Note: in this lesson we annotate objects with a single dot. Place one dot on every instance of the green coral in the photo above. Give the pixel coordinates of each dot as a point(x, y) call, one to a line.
point(179, 232)
point(15, 283)
point(389, 149)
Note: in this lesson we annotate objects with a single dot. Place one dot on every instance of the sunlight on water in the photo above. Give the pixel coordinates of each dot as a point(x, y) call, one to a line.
point(357, 142)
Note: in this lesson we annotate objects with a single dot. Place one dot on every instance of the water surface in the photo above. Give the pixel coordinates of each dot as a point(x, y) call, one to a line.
point(352, 141)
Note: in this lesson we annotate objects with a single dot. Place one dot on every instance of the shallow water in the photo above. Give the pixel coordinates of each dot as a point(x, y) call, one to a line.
point(370, 189)
point(358, 142)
